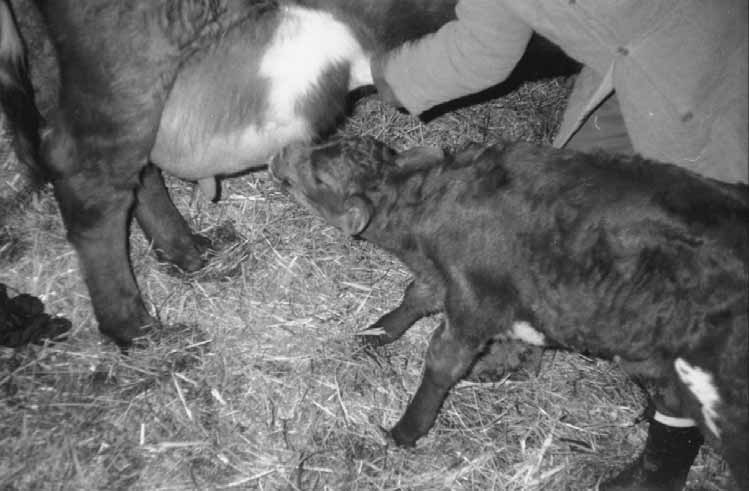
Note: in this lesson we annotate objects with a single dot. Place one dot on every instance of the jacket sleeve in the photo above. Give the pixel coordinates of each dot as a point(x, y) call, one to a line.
point(477, 50)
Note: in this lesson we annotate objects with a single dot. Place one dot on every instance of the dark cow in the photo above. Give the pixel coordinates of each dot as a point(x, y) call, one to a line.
point(200, 88)
point(617, 257)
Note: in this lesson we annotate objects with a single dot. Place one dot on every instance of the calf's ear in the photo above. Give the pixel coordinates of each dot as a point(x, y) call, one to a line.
point(419, 157)
point(356, 214)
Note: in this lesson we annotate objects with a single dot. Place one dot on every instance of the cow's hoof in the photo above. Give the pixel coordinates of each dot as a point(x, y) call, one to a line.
point(130, 335)
point(190, 257)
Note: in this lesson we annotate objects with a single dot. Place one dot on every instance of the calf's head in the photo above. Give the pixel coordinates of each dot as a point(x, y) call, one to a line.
point(341, 179)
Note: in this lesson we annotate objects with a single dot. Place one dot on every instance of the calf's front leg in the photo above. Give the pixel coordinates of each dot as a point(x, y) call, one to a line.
point(420, 299)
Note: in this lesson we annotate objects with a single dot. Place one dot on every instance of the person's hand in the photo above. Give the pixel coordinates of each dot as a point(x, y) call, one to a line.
point(386, 93)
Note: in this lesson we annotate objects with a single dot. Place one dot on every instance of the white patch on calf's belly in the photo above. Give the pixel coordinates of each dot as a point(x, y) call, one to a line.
point(523, 331)
point(701, 384)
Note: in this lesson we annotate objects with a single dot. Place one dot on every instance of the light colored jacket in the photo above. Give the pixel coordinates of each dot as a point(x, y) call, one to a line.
point(679, 69)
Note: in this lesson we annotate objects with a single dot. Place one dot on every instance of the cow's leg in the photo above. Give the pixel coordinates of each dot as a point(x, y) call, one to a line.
point(98, 175)
point(164, 226)
point(421, 298)
point(117, 62)
point(95, 212)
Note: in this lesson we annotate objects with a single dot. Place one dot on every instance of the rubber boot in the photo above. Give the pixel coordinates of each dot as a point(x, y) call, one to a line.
point(663, 464)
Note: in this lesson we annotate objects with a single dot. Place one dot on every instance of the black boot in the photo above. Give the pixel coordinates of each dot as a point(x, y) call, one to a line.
point(665, 462)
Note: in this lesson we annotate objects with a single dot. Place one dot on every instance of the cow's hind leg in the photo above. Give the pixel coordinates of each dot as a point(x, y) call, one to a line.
point(96, 211)
point(117, 62)
point(164, 226)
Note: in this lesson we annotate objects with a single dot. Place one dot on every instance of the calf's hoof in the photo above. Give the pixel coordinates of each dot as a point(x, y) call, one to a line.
point(402, 437)
point(375, 336)
point(663, 464)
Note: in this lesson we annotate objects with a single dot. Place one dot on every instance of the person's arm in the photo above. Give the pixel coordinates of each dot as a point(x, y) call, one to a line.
point(477, 50)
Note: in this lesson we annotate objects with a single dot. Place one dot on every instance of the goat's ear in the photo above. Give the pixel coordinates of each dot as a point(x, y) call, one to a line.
point(419, 157)
point(356, 215)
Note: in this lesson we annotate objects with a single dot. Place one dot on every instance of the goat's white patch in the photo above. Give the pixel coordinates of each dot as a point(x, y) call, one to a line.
point(10, 41)
point(700, 383)
point(305, 44)
point(523, 331)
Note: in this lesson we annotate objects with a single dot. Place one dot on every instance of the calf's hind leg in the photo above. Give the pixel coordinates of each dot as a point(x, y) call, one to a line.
point(473, 317)
point(164, 226)
point(448, 358)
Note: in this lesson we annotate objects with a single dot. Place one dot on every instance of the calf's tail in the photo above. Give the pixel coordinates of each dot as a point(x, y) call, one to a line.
point(17, 95)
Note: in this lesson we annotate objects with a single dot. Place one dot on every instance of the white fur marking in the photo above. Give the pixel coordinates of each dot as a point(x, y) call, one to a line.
point(673, 421)
point(361, 72)
point(527, 333)
point(701, 384)
point(305, 44)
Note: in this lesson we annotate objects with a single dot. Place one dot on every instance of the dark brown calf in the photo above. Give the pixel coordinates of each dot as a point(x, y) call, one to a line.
point(616, 257)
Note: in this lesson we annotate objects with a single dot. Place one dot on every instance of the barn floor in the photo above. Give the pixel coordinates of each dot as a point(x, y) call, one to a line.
point(258, 382)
